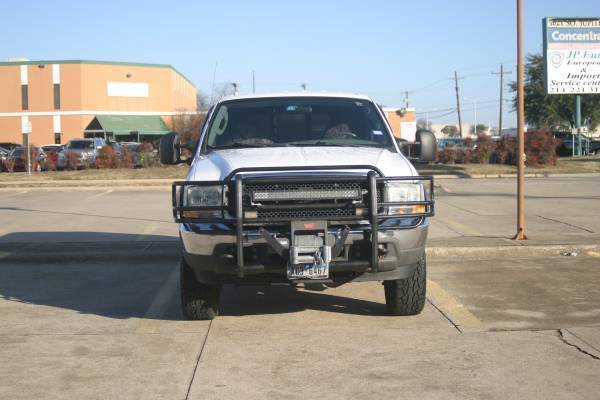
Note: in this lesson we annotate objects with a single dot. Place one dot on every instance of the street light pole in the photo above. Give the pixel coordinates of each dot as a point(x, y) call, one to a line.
point(520, 235)
point(475, 109)
point(475, 106)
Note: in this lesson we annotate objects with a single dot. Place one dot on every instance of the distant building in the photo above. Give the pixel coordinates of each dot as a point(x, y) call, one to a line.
point(403, 122)
point(75, 98)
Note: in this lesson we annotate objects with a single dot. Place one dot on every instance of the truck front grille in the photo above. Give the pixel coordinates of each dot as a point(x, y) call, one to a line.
point(306, 213)
point(285, 200)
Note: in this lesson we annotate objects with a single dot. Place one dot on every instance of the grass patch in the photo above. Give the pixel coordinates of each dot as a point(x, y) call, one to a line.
point(166, 172)
point(576, 165)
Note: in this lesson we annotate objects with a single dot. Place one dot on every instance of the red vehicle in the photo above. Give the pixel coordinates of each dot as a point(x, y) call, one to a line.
point(51, 151)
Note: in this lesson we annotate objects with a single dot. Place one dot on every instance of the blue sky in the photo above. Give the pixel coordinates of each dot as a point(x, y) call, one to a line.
point(379, 48)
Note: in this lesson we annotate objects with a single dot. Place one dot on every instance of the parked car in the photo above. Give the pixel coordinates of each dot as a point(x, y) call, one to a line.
point(567, 140)
point(136, 148)
point(300, 188)
point(595, 147)
point(9, 145)
point(18, 158)
point(86, 151)
point(457, 142)
point(3, 155)
point(52, 151)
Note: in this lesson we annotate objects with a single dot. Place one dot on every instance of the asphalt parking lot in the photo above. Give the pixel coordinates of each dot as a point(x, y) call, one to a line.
point(494, 327)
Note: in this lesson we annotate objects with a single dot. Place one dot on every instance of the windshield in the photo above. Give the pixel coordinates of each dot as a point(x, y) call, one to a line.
point(81, 144)
point(297, 122)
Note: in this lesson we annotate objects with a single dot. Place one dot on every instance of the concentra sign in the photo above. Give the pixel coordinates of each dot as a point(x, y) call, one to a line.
point(572, 55)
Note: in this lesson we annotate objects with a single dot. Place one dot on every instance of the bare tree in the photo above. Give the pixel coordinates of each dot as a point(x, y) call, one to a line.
point(202, 101)
point(187, 125)
point(222, 90)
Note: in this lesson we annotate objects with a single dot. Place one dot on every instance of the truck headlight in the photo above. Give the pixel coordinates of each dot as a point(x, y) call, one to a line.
point(203, 196)
point(404, 191)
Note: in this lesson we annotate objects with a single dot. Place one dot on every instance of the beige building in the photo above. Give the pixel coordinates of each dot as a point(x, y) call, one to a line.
point(403, 122)
point(66, 99)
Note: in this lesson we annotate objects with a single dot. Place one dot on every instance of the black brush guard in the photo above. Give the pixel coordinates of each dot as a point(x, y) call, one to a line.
point(235, 211)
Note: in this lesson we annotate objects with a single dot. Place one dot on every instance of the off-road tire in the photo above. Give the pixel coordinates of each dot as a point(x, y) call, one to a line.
point(198, 301)
point(407, 296)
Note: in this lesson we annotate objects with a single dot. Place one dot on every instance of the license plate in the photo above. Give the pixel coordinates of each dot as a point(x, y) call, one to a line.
point(308, 271)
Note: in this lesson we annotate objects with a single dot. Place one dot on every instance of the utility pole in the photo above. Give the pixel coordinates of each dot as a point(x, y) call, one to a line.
point(501, 74)
point(578, 123)
point(456, 78)
point(253, 83)
point(406, 99)
point(520, 235)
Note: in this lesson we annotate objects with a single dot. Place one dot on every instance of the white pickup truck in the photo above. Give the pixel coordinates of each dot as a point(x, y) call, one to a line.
point(299, 188)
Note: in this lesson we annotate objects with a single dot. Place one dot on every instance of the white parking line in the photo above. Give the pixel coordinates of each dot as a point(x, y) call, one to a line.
point(151, 321)
point(99, 194)
point(20, 192)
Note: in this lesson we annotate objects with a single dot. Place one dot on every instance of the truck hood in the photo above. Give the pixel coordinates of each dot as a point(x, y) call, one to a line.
point(217, 165)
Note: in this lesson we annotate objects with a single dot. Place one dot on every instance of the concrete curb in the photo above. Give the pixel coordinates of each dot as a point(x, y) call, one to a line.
point(99, 183)
point(487, 252)
point(170, 251)
point(514, 176)
point(54, 258)
point(89, 251)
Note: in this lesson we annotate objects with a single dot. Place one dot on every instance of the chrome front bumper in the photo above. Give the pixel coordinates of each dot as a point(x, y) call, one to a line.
point(202, 241)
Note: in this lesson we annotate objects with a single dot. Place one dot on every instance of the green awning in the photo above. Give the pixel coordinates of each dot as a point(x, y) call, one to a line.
point(129, 124)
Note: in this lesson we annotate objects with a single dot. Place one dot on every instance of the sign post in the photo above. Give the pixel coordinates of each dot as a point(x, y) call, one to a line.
point(26, 133)
point(520, 235)
point(572, 61)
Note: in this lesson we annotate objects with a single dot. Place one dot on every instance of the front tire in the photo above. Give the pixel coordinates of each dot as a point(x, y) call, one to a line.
point(198, 301)
point(407, 296)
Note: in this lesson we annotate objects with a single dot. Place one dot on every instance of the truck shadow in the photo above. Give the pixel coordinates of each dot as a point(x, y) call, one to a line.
point(135, 273)
point(57, 269)
point(258, 300)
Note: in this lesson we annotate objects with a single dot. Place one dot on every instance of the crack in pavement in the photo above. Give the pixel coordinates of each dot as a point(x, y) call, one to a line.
point(562, 337)
point(444, 315)
point(565, 223)
point(189, 389)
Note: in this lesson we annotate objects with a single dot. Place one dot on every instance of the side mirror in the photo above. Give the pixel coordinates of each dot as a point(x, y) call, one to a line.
point(170, 153)
point(426, 145)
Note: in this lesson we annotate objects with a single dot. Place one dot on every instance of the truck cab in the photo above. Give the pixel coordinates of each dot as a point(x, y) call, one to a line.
point(296, 188)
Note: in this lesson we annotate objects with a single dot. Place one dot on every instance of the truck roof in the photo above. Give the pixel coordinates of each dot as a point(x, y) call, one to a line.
point(298, 94)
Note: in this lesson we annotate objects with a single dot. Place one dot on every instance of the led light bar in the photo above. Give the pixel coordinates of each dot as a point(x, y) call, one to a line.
point(306, 195)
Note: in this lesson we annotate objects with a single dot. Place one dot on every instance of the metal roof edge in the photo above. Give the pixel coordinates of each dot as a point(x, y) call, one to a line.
point(133, 64)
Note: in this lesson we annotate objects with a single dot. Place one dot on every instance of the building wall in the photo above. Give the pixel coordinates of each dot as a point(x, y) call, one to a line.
point(10, 87)
point(84, 93)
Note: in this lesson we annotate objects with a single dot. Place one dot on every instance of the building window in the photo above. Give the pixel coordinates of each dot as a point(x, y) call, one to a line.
point(56, 137)
point(24, 97)
point(57, 96)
